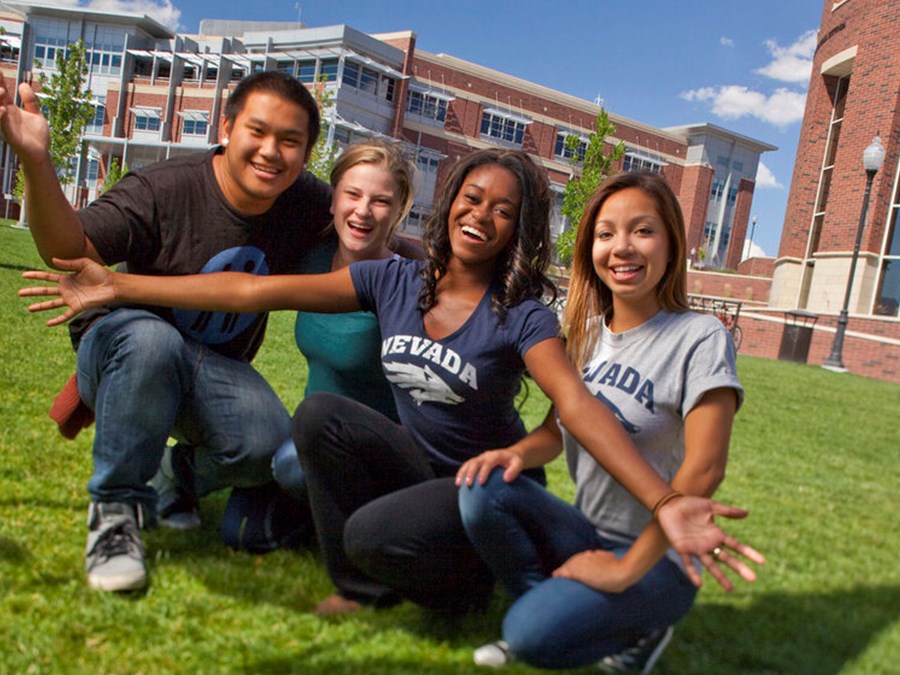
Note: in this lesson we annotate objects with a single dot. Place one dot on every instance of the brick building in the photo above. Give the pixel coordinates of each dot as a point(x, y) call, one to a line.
point(158, 93)
point(853, 96)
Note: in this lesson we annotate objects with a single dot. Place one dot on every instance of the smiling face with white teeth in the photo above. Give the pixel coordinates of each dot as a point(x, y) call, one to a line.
point(484, 214)
point(365, 206)
point(631, 253)
point(266, 147)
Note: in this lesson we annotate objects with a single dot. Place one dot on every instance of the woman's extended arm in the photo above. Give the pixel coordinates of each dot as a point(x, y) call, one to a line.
point(707, 435)
point(92, 285)
point(687, 522)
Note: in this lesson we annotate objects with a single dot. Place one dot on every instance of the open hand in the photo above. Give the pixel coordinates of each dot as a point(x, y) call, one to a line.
point(691, 529)
point(480, 467)
point(25, 129)
point(89, 285)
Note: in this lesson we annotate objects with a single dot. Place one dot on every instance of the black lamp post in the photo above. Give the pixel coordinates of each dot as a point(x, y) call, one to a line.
point(873, 157)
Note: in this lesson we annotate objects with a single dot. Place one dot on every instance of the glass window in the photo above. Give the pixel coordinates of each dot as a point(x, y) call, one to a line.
point(388, 87)
point(307, 72)
point(146, 122)
point(96, 124)
point(328, 70)
point(351, 74)
point(195, 127)
point(368, 81)
point(887, 303)
point(576, 148)
point(93, 170)
point(632, 163)
point(503, 129)
point(425, 105)
point(718, 189)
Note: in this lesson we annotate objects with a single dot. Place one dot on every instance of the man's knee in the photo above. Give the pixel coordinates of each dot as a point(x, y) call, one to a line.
point(147, 341)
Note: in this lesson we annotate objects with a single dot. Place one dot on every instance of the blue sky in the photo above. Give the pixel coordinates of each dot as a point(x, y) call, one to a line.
point(744, 66)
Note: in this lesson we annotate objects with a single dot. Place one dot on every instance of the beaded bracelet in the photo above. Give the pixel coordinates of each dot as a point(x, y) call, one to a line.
point(665, 499)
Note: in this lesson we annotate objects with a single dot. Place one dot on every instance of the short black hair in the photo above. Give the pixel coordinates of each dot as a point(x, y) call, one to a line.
point(280, 84)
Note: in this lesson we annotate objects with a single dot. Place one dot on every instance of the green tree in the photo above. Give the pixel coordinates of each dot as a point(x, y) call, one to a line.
point(66, 102)
point(595, 167)
point(114, 174)
point(323, 154)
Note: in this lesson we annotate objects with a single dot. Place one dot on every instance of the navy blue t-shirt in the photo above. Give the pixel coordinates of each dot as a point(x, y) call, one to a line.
point(456, 396)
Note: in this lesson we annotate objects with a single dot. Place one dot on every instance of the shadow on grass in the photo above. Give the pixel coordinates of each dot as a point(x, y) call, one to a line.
point(12, 552)
point(785, 633)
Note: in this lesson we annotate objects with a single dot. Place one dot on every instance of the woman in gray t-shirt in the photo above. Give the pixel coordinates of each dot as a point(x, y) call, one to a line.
point(596, 581)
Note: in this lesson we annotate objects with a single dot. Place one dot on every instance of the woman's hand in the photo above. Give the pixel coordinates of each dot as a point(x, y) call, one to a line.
point(689, 524)
point(89, 285)
point(479, 468)
point(601, 570)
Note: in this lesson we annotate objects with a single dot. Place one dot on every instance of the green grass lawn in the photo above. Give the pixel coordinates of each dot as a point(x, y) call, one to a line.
point(815, 456)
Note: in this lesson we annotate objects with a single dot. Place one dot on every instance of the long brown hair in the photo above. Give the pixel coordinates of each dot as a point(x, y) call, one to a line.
point(588, 296)
point(521, 269)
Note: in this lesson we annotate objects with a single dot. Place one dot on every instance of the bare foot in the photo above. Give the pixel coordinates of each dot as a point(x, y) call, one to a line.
point(337, 604)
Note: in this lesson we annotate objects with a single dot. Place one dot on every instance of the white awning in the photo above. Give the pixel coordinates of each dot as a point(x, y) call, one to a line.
point(358, 128)
point(193, 115)
point(374, 65)
point(428, 91)
point(508, 115)
point(12, 41)
point(142, 111)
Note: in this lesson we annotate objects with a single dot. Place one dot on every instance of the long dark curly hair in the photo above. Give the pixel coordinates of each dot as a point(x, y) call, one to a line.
point(520, 272)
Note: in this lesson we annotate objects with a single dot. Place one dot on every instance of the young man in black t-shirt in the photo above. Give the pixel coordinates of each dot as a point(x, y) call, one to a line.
point(148, 373)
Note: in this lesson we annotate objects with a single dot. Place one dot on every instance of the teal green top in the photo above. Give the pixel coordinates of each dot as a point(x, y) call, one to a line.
point(343, 351)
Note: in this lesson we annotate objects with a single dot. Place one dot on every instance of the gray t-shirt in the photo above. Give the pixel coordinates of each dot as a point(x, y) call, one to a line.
point(650, 377)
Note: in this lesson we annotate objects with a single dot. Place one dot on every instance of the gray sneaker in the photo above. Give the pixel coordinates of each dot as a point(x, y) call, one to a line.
point(493, 655)
point(177, 507)
point(114, 559)
point(640, 657)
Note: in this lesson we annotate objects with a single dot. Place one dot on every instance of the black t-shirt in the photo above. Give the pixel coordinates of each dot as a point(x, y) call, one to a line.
point(171, 218)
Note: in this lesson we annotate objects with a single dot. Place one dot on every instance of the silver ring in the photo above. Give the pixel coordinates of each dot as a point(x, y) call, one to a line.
point(716, 552)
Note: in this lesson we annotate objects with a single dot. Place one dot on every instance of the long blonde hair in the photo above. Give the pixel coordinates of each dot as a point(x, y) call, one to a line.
point(588, 296)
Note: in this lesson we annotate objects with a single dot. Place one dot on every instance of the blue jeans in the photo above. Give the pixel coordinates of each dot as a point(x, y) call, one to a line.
point(288, 473)
point(523, 533)
point(145, 382)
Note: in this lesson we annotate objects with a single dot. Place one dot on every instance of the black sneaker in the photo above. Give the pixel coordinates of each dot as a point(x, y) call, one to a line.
point(114, 559)
point(640, 657)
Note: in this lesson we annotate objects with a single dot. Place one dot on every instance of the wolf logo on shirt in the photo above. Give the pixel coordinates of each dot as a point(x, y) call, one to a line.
point(422, 382)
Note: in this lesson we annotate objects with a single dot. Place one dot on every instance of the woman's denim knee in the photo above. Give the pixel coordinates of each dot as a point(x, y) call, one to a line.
point(288, 473)
point(475, 500)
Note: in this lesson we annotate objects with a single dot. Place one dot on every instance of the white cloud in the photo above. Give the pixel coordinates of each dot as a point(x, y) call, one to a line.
point(162, 10)
point(726, 41)
point(734, 101)
point(792, 63)
point(766, 179)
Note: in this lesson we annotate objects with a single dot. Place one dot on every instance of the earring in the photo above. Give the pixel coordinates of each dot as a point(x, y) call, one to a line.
point(225, 141)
